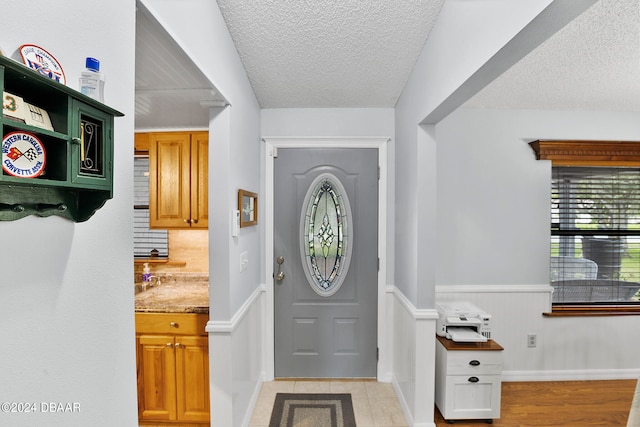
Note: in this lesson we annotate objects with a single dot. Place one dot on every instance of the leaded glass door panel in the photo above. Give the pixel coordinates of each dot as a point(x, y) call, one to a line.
point(326, 223)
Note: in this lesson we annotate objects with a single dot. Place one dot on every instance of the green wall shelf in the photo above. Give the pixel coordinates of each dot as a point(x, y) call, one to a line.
point(77, 177)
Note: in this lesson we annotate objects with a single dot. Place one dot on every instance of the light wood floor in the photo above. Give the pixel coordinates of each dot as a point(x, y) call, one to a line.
point(561, 403)
point(374, 404)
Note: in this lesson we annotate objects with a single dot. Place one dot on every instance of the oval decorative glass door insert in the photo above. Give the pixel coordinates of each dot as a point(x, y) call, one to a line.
point(325, 230)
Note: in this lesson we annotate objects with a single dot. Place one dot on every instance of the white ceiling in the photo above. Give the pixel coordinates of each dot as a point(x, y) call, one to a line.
point(593, 64)
point(353, 53)
point(171, 92)
point(330, 53)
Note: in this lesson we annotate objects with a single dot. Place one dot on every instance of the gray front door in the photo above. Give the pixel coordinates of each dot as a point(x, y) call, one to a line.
point(326, 297)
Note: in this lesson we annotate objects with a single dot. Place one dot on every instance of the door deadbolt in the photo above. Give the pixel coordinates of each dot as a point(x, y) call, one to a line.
point(280, 274)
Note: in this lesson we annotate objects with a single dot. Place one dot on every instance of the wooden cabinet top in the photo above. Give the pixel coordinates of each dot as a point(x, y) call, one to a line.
point(490, 345)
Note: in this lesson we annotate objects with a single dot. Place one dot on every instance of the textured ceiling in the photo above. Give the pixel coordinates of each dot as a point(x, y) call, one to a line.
point(356, 53)
point(593, 63)
point(330, 53)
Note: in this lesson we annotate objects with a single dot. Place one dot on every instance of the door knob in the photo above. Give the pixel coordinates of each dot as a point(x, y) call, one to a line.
point(280, 274)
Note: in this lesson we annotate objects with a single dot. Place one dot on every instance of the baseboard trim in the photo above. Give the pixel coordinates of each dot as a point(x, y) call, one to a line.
point(253, 402)
point(571, 375)
point(405, 407)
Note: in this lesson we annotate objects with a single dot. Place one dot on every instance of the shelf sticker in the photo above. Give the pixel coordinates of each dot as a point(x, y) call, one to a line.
point(43, 62)
point(13, 106)
point(37, 117)
point(23, 155)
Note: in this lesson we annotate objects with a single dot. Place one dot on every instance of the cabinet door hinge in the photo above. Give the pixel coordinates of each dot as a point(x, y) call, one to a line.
point(378, 353)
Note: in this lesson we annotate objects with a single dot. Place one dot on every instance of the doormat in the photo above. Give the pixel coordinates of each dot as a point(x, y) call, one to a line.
point(312, 410)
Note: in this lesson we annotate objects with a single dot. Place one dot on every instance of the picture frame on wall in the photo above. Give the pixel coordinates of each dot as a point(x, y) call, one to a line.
point(248, 207)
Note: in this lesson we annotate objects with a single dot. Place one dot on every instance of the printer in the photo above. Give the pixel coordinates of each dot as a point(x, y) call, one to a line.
point(462, 321)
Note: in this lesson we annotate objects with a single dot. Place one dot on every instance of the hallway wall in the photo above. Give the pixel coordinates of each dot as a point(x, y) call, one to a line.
point(235, 333)
point(66, 295)
point(452, 67)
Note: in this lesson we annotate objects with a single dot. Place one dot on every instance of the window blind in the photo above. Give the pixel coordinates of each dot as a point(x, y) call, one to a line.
point(595, 235)
point(145, 239)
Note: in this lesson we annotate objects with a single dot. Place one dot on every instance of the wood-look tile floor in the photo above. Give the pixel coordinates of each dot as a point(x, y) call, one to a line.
point(560, 403)
point(524, 404)
point(374, 403)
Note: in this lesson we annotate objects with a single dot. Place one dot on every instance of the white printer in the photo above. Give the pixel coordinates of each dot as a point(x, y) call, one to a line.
point(462, 321)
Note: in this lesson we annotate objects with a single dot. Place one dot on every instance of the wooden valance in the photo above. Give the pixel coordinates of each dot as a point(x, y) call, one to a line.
point(588, 153)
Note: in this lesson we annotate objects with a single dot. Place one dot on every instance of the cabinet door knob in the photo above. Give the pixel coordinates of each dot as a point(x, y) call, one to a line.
point(169, 345)
point(474, 379)
point(178, 345)
point(474, 363)
point(174, 325)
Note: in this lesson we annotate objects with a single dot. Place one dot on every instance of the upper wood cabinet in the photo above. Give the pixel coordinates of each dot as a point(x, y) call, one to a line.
point(178, 171)
point(141, 143)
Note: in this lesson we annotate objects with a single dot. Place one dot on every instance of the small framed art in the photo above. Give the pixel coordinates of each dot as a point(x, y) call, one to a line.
point(248, 207)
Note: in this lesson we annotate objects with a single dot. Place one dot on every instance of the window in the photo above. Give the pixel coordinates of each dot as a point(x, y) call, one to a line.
point(325, 238)
point(595, 235)
point(145, 240)
point(595, 224)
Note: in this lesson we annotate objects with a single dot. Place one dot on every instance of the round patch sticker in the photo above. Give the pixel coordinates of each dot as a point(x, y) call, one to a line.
point(23, 155)
point(43, 62)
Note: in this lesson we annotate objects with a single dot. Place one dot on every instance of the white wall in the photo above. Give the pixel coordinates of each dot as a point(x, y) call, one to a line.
point(234, 162)
point(493, 235)
point(452, 67)
point(488, 200)
point(327, 122)
point(198, 27)
point(66, 300)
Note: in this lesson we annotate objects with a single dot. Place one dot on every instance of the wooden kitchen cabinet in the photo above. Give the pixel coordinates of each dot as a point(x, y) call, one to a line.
point(178, 173)
point(141, 143)
point(173, 368)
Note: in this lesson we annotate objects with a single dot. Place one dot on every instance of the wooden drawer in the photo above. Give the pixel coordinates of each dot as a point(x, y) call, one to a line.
point(473, 362)
point(171, 323)
point(471, 397)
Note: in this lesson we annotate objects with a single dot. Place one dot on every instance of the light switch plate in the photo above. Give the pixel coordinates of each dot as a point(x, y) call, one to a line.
point(244, 260)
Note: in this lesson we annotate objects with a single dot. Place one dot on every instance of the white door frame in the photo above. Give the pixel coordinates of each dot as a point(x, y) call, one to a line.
point(270, 152)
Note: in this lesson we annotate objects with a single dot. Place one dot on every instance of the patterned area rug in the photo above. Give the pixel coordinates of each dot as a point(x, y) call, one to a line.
point(634, 414)
point(312, 410)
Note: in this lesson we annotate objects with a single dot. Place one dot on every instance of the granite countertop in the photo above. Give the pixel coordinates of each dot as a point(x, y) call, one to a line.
point(174, 296)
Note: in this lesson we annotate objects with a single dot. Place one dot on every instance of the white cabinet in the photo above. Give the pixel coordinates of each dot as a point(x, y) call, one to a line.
point(468, 379)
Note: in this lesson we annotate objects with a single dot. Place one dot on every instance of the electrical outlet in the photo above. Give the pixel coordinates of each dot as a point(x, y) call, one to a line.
point(532, 340)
